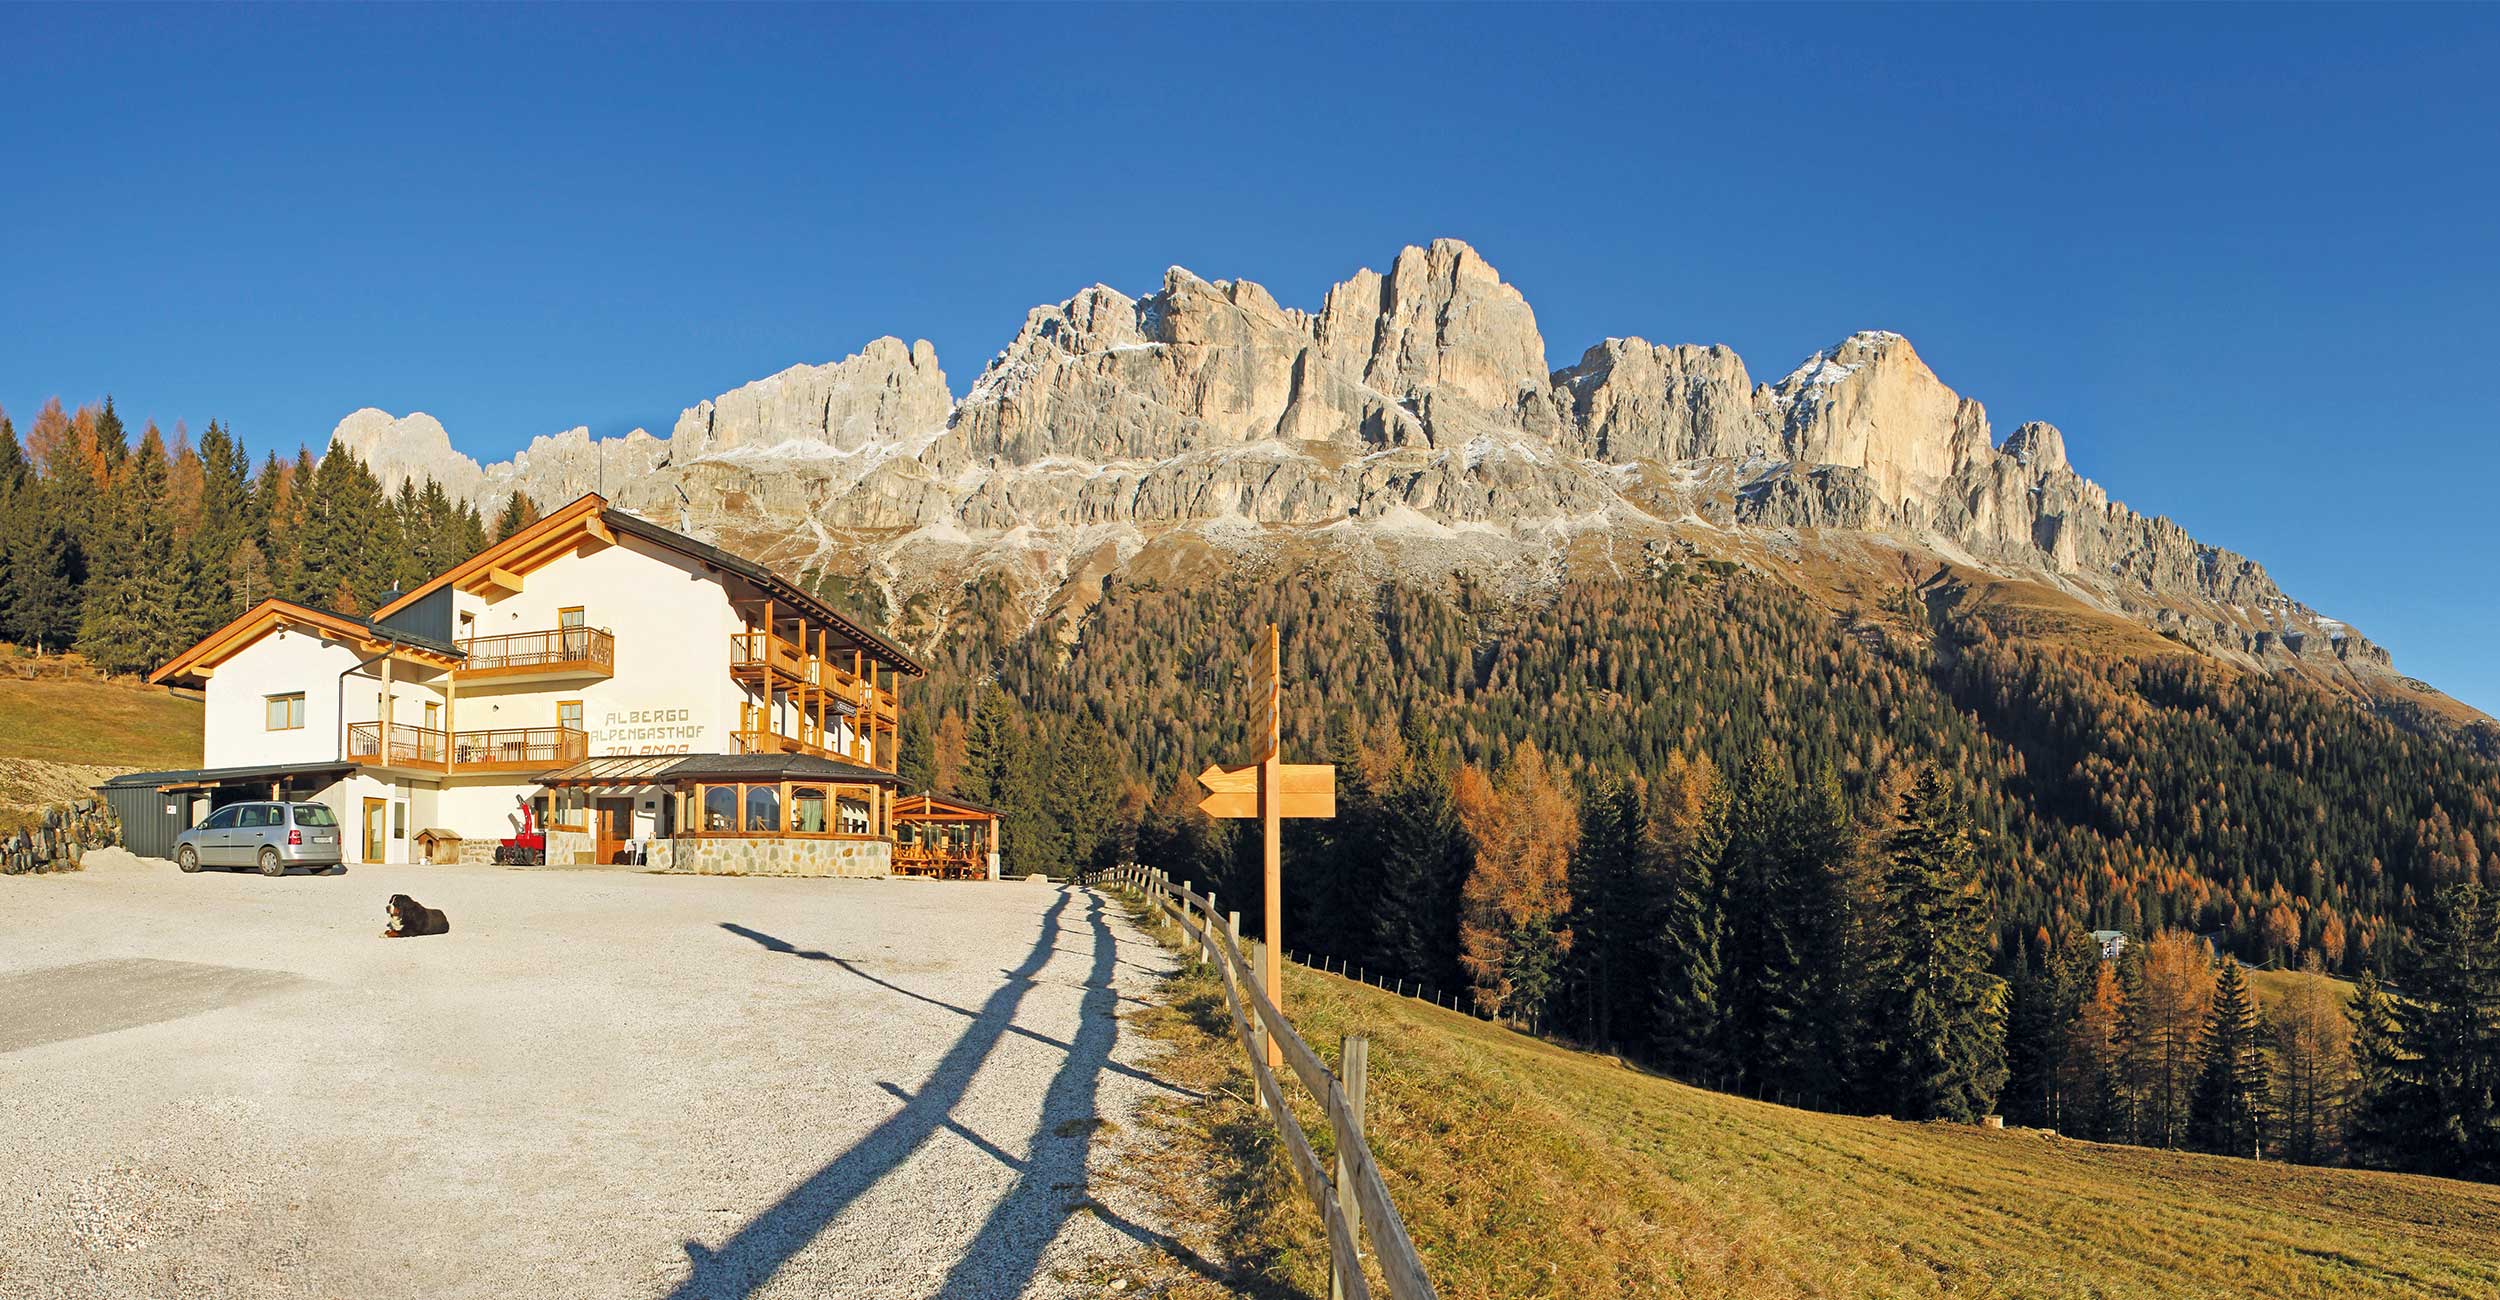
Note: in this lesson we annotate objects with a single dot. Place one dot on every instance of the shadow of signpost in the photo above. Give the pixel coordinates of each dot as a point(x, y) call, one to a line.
point(1050, 1181)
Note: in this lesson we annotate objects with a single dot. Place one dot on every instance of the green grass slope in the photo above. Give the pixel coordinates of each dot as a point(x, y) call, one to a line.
point(1525, 1169)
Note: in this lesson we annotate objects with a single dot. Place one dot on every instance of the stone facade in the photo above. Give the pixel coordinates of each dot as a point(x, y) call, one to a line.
point(774, 856)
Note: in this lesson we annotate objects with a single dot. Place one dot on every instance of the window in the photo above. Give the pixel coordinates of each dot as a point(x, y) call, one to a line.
point(253, 815)
point(720, 807)
point(854, 813)
point(399, 821)
point(315, 814)
point(286, 712)
point(434, 715)
point(763, 808)
point(221, 820)
point(573, 625)
point(807, 810)
point(569, 715)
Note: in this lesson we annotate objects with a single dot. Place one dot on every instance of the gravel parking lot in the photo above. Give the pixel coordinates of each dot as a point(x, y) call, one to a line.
point(598, 1084)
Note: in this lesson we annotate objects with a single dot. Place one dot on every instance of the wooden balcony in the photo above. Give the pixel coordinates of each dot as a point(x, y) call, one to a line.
point(516, 749)
point(564, 653)
point(411, 746)
point(755, 655)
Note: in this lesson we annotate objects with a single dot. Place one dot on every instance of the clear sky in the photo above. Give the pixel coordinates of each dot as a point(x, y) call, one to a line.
point(2248, 258)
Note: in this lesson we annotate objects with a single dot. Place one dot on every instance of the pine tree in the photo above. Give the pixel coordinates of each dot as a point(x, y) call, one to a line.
point(1613, 913)
point(1758, 956)
point(1424, 860)
point(17, 509)
point(1690, 804)
point(47, 571)
point(987, 750)
point(131, 618)
point(2232, 1101)
point(2430, 1060)
point(1939, 1016)
point(519, 512)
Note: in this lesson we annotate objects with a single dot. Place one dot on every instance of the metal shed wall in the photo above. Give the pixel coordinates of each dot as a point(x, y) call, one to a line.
point(147, 828)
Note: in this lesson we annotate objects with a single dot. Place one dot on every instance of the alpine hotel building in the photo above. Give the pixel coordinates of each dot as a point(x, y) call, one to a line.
point(654, 699)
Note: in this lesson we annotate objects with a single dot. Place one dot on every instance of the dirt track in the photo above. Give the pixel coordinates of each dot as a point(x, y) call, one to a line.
point(599, 1084)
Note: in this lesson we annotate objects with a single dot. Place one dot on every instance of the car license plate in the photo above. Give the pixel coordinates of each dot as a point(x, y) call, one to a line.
point(325, 839)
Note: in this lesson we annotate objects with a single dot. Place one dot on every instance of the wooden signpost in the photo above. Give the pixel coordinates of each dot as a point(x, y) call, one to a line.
point(1269, 789)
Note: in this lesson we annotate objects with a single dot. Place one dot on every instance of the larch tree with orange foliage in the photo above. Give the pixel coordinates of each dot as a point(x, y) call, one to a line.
point(1525, 827)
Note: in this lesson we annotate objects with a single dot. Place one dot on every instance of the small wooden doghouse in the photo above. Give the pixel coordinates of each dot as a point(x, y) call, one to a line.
point(438, 846)
point(945, 837)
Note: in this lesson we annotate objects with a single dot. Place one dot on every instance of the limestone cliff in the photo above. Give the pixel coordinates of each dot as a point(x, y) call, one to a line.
point(1409, 423)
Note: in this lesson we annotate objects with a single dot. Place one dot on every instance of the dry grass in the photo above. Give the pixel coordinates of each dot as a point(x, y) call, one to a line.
point(1524, 1169)
point(111, 723)
point(64, 730)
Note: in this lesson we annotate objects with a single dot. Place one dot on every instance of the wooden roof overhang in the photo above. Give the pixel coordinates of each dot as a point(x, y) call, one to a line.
point(579, 528)
point(193, 667)
point(942, 808)
point(590, 523)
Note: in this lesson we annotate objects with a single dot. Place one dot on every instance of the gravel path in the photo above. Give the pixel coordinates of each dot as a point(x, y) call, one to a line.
point(599, 1084)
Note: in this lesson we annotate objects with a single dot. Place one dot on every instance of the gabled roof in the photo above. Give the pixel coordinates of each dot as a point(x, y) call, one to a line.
point(192, 666)
point(927, 806)
point(590, 516)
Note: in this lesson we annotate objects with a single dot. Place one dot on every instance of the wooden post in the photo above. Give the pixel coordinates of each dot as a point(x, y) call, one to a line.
point(383, 744)
point(1271, 830)
point(1209, 945)
point(1354, 1056)
point(451, 718)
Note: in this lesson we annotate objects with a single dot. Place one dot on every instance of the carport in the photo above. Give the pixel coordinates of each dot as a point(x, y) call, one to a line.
point(154, 807)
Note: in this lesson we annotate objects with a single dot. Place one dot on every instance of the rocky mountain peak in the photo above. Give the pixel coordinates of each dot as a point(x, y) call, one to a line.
point(1869, 402)
point(887, 387)
point(1410, 421)
point(2037, 445)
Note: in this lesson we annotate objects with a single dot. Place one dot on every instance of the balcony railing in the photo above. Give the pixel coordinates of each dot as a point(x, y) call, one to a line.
point(518, 748)
point(410, 745)
point(751, 654)
point(571, 650)
point(532, 749)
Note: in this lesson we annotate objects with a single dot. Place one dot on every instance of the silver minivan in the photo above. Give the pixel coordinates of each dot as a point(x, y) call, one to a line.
point(271, 836)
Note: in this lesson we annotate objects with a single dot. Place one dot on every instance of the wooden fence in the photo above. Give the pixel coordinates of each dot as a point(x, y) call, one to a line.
point(1352, 1200)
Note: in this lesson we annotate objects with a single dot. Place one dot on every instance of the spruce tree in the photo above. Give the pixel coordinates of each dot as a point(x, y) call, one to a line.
point(1691, 809)
point(519, 512)
point(1762, 986)
point(1424, 860)
point(131, 618)
point(2430, 1065)
point(2228, 1112)
point(1612, 914)
point(1939, 1016)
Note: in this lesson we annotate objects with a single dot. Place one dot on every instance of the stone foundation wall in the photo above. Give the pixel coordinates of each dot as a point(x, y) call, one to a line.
point(569, 848)
point(777, 857)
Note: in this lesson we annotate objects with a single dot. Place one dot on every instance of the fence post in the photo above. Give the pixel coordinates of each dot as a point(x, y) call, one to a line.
point(1354, 1056)
point(1258, 1027)
point(1208, 935)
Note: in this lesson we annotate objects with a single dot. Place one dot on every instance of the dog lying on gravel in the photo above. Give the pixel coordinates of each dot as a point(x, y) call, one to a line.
point(410, 918)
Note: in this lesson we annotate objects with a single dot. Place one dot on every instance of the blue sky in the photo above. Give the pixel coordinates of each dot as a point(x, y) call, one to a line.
point(2247, 258)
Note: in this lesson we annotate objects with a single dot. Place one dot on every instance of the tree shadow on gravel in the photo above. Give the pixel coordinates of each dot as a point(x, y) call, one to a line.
point(1051, 1182)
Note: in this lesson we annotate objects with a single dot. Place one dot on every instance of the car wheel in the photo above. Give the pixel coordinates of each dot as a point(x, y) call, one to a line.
point(188, 858)
point(271, 864)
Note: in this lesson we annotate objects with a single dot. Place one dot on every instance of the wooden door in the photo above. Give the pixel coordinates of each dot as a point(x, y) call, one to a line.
point(377, 828)
point(616, 825)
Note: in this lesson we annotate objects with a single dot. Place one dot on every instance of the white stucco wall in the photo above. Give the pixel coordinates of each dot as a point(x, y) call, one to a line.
point(235, 729)
point(671, 692)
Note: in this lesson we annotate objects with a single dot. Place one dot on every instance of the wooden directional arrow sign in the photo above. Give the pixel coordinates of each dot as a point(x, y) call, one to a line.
point(1303, 790)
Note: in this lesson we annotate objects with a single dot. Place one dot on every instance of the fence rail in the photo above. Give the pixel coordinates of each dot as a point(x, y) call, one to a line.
point(1352, 1200)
